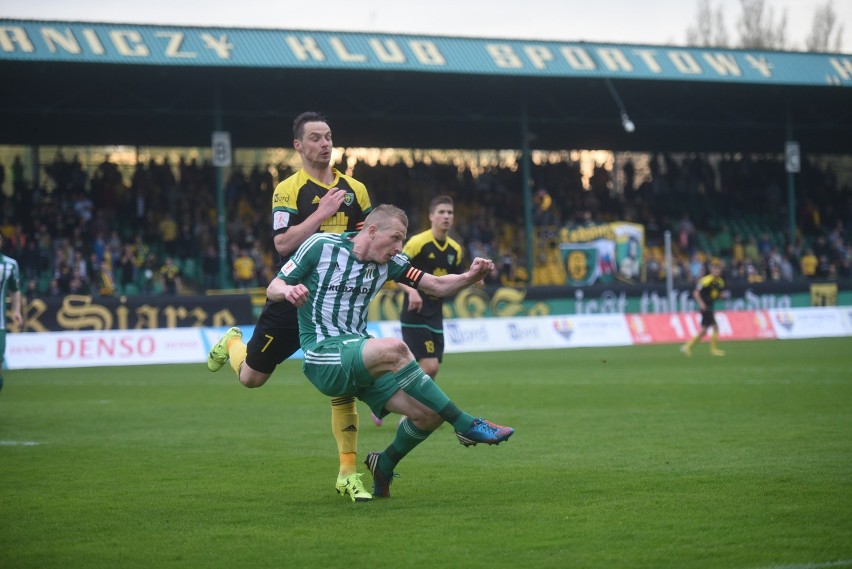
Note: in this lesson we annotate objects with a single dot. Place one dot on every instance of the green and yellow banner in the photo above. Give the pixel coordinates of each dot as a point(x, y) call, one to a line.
point(603, 253)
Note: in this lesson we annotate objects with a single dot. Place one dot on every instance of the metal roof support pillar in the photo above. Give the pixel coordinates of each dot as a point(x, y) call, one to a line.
point(220, 192)
point(791, 180)
point(526, 169)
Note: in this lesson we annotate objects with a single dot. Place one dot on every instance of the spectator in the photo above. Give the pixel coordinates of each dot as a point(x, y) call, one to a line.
point(764, 245)
point(738, 250)
point(724, 240)
point(126, 267)
point(77, 285)
point(85, 209)
point(29, 261)
point(685, 234)
point(170, 277)
point(696, 267)
point(80, 266)
point(210, 268)
point(244, 270)
point(149, 275)
point(786, 269)
point(30, 293)
point(53, 289)
point(825, 268)
point(103, 281)
point(752, 253)
point(809, 264)
point(168, 232)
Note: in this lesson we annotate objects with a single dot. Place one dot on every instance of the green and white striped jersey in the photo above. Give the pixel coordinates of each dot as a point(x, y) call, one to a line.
point(340, 286)
point(10, 281)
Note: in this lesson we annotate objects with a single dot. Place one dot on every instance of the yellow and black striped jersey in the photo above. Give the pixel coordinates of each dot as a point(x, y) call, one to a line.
point(297, 197)
point(709, 288)
point(432, 256)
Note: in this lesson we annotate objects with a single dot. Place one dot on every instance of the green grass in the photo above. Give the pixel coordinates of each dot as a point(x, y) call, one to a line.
point(623, 457)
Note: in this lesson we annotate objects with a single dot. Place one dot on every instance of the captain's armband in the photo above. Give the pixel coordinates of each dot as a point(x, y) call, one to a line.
point(411, 277)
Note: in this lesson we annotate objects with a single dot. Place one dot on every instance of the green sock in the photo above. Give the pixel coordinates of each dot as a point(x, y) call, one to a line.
point(420, 386)
point(407, 437)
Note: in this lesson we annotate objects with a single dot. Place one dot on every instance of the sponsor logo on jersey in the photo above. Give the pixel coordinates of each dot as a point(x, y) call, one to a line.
point(280, 219)
point(316, 200)
point(288, 267)
point(342, 287)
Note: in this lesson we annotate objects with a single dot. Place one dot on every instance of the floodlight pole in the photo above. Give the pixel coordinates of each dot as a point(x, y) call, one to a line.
point(626, 123)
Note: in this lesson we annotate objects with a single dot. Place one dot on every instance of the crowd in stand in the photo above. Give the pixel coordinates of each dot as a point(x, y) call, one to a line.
point(156, 232)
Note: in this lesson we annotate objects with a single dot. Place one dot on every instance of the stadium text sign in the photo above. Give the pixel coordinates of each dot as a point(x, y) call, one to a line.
point(166, 45)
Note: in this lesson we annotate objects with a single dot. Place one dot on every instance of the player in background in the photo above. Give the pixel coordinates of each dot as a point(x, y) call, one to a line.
point(707, 290)
point(333, 278)
point(10, 285)
point(422, 319)
point(316, 199)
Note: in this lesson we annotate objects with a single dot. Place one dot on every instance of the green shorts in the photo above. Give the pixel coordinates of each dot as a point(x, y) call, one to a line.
point(336, 367)
point(2, 349)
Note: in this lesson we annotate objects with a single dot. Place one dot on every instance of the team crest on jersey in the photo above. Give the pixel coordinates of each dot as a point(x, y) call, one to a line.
point(451, 259)
point(348, 198)
point(288, 267)
point(280, 219)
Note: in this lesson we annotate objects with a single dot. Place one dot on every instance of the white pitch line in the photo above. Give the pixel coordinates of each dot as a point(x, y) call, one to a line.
point(19, 443)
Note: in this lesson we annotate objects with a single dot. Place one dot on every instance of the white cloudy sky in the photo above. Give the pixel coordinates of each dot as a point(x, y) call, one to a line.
point(621, 21)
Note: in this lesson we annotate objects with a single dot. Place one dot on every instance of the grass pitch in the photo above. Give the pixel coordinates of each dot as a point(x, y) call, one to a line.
point(622, 457)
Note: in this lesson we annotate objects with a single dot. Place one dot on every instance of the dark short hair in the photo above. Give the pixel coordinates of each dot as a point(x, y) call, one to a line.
point(299, 122)
point(438, 200)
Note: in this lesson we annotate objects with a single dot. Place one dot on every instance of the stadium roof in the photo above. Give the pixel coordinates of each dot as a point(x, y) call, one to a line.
point(86, 83)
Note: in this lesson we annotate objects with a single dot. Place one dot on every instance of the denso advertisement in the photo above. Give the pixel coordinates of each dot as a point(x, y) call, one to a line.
point(104, 348)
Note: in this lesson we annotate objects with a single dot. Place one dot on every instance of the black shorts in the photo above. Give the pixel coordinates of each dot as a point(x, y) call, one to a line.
point(708, 318)
point(275, 338)
point(423, 342)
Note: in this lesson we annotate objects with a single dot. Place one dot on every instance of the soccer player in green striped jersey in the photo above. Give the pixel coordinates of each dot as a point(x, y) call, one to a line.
point(332, 279)
point(10, 284)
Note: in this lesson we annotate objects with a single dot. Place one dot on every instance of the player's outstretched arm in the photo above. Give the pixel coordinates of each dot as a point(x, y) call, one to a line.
point(447, 285)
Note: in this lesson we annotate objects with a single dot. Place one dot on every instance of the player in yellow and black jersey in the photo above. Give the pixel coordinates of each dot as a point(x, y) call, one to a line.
point(422, 318)
point(317, 198)
point(708, 289)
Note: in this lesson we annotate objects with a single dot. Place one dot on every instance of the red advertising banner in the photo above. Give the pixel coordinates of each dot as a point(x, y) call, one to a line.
point(678, 327)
